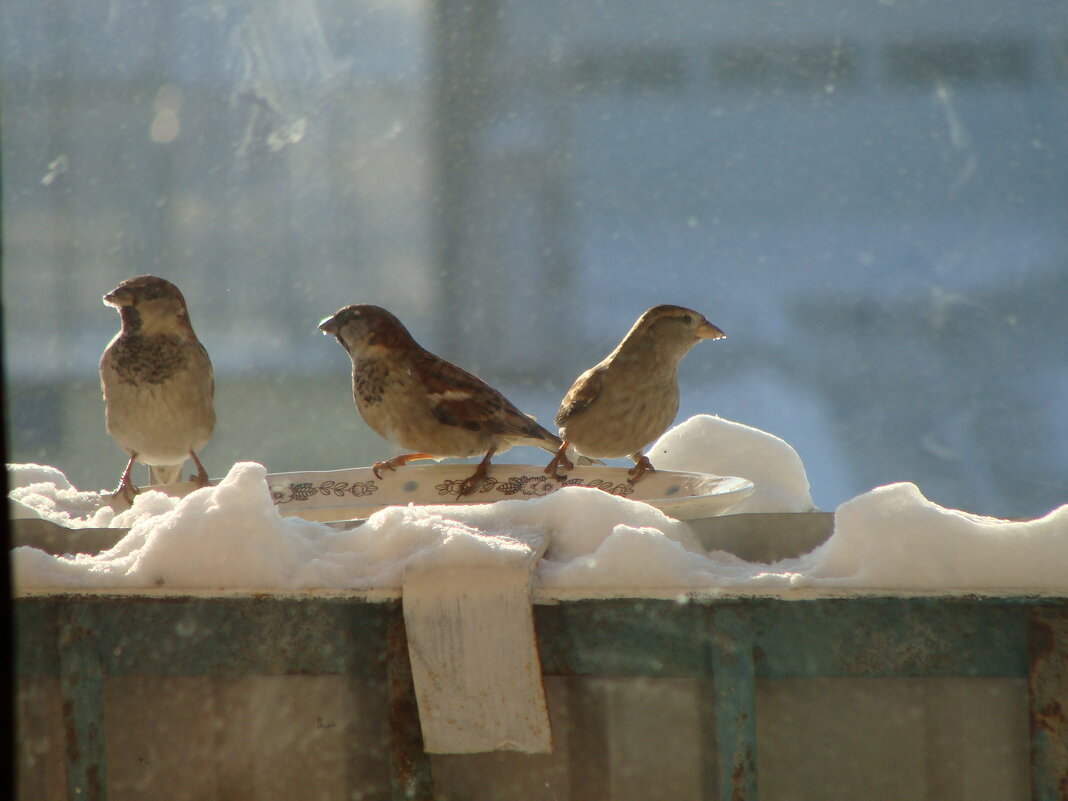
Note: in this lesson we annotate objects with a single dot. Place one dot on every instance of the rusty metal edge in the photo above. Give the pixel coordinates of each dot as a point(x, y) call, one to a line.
point(411, 779)
point(1048, 690)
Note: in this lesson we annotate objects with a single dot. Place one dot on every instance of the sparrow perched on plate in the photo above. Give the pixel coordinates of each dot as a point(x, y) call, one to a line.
point(423, 403)
point(157, 382)
point(619, 406)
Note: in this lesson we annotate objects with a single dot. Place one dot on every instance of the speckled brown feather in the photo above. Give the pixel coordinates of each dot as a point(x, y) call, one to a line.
point(583, 392)
point(420, 401)
point(483, 408)
point(150, 360)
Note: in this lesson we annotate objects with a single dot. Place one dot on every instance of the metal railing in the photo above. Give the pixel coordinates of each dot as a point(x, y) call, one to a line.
point(726, 644)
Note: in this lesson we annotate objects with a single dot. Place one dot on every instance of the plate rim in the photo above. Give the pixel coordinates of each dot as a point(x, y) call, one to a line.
point(736, 485)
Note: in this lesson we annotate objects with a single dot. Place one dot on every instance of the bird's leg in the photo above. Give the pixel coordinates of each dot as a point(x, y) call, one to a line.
point(559, 460)
point(126, 486)
point(397, 461)
point(474, 481)
point(201, 478)
point(642, 465)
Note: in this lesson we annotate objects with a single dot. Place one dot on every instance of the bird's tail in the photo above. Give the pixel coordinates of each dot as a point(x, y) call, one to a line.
point(165, 473)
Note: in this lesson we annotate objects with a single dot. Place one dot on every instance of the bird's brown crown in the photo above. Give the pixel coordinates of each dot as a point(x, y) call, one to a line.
point(149, 305)
point(142, 288)
point(666, 317)
point(363, 325)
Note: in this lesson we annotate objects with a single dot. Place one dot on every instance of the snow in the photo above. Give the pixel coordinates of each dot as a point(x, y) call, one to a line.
point(26, 475)
point(707, 444)
point(43, 491)
point(895, 537)
point(230, 537)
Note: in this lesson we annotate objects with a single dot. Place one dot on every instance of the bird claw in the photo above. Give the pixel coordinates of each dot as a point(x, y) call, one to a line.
point(470, 485)
point(201, 476)
point(127, 491)
point(642, 465)
point(389, 464)
point(559, 460)
point(397, 461)
point(473, 482)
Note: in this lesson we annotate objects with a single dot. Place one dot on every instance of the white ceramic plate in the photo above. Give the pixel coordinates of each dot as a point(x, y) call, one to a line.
point(357, 493)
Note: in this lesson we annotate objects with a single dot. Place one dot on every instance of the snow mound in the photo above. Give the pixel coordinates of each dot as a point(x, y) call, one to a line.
point(894, 538)
point(710, 444)
point(26, 475)
point(40, 491)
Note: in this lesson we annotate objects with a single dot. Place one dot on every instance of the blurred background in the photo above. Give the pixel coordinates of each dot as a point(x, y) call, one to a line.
point(870, 199)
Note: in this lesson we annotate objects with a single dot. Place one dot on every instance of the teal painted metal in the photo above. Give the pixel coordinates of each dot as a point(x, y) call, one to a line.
point(631, 637)
point(794, 639)
point(1049, 704)
point(227, 636)
point(36, 635)
point(82, 639)
point(81, 687)
point(733, 677)
point(726, 643)
point(876, 637)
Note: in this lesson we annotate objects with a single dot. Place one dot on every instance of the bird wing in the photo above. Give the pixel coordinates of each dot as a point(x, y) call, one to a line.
point(459, 398)
point(583, 392)
point(204, 360)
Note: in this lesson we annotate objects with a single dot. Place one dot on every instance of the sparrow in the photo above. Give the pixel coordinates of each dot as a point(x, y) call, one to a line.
point(157, 383)
point(619, 406)
point(423, 403)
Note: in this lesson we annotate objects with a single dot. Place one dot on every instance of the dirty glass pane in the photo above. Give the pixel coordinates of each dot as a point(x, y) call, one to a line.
point(870, 199)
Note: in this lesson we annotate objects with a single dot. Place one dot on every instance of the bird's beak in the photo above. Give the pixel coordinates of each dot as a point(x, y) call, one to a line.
point(329, 326)
point(119, 298)
point(708, 331)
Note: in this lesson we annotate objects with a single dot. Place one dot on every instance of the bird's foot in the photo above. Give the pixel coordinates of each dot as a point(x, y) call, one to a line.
point(558, 461)
point(201, 477)
point(389, 464)
point(397, 461)
point(471, 484)
point(126, 490)
point(642, 465)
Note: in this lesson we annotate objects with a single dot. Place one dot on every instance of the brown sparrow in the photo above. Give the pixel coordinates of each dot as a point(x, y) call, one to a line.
point(619, 406)
point(423, 403)
point(157, 382)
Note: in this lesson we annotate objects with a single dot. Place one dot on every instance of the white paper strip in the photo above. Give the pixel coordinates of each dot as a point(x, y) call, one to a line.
point(474, 654)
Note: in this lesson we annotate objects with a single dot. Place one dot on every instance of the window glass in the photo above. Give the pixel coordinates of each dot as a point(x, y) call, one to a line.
point(870, 199)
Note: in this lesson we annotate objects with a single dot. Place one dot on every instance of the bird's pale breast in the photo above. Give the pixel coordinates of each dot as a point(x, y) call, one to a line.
point(626, 415)
point(158, 401)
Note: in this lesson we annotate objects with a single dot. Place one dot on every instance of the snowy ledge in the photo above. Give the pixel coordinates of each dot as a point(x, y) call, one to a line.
point(225, 540)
